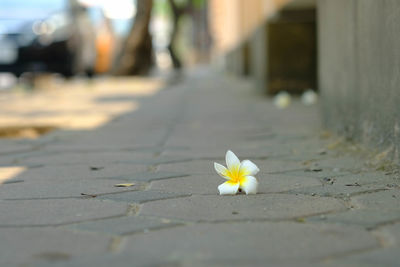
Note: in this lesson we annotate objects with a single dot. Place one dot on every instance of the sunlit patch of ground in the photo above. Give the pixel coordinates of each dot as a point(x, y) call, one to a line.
point(25, 131)
point(7, 173)
point(76, 104)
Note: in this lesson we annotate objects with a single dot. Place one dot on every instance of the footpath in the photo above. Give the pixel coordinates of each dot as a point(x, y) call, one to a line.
point(141, 189)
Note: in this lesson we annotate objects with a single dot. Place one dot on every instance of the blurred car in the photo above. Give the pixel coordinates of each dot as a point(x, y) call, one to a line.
point(46, 36)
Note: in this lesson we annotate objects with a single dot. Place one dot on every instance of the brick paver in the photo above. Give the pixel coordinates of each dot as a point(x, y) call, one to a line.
point(316, 206)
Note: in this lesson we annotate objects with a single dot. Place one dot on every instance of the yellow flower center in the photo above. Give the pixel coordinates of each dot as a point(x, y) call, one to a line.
point(236, 174)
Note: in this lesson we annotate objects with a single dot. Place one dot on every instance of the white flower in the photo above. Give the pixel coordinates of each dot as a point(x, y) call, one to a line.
point(282, 100)
point(239, 175)
point(309, 97)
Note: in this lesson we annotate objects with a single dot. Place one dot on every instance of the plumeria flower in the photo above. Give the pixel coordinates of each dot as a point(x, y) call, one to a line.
point(240, 175)
point(282, 100)
point(309, 97)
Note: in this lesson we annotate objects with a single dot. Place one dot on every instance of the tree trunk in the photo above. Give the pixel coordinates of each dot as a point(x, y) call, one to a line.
point(176, 63)
point(201, 39)
point(177, 12)
point(136, 57)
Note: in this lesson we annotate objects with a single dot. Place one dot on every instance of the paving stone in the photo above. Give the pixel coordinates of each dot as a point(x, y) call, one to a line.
point(96, 158)
point(141, 196)
point(67, 146)
point(18, 213)
point(9, 160)
point(171, 141)
point(241, 207)
point(148, 176)
point(296, 157)
point(122, 259)
point(384, 200)
point(393, 231)
point(196, 184)
point(367, 178)
point(192, 167)
point(337, 190)
point(207, 166)
point(67, 188)
point(341, 162)
point(366, 217)
point(236, 244)
point(80, 171)
point(21, 247)
point(35, 150)
point(124, 225)
point(274, 183)
point(318, 174)
point(254, 150)
point(138, 137)
point(284, 242)
point(60, 147)
point(207, 184)
point(291, 149)
point(388, 257)
point(157, 160)
point(210, 138)
point(197, 153)
point(278, 166)
point(8, 147)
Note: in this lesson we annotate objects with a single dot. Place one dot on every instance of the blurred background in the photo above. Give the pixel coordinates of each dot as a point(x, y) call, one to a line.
point(341, 49)
point(95, 38)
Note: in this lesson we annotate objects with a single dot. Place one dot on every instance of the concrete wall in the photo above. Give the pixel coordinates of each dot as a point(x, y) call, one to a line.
point(359, 70)
point(280, 53)
point(233, 21)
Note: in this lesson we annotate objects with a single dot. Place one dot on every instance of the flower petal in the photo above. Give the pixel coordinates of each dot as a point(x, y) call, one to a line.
point(232, 162)
point(228, 188)
point(249, 185)
point(221, 170)
point(248, 168)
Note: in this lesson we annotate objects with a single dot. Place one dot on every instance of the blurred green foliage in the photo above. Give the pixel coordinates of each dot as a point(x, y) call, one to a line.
point(162, 7)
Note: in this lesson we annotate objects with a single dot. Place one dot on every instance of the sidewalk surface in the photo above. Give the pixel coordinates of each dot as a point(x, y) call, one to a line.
point(317, 205)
